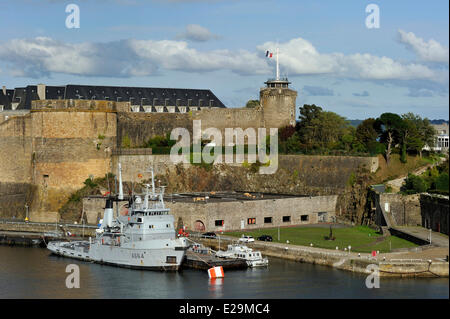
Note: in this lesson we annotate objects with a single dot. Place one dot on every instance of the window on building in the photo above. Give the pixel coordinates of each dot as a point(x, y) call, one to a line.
point(323, 217)
point(286, 219)
point(219, 222)
point(267, 220)
point(304, 218)
point(251, 221)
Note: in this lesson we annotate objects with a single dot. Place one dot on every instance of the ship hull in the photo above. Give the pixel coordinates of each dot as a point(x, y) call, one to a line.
point(164, 259)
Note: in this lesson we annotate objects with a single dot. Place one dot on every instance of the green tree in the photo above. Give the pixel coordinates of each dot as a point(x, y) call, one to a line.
point(442, 182)
point(306, 127)
point(367, 135)
point(286, 132)
point(252, 103)
point(330, 128)
point(291, 145)
point(417, 132)
point(388, 126)
point(415, 184)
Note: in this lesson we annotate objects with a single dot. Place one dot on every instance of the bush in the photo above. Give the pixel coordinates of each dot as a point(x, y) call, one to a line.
point(442, 182)
point(89, 183)
point(126, 142)
point(415, 184)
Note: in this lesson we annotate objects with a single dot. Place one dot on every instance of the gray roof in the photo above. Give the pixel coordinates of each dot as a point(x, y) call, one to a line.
point(135, 95)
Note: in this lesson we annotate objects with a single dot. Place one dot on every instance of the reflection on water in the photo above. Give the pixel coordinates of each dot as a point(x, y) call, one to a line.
point(34, 273)
point(215, 287)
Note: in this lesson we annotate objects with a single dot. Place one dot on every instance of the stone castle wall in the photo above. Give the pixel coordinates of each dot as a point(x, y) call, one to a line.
point(230, 118)
point(15, 165)
point(435, 212)
point(300, 174)
point(80, 105)
point(138, 128)
point(68, 147)
point(48, 153)
point(277, 110)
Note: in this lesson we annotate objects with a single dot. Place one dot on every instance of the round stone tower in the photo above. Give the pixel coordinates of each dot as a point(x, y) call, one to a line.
point(278, 103)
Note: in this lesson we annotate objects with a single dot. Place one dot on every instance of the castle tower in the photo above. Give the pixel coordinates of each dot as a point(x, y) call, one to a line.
point(278, 101)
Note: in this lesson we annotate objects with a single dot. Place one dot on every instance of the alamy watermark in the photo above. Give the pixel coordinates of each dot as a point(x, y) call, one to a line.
point(73, 19)
point(373, 19)
point(73, 279)
point(373, 280)
point(262, 147)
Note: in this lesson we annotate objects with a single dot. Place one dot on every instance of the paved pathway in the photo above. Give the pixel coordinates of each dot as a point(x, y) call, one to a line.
point(437, 239)
point(397, 183)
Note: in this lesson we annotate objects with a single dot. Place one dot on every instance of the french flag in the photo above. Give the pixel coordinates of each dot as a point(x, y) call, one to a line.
point(268, 54)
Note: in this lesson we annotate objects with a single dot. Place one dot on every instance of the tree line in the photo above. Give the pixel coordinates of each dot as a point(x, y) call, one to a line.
point(324, 132)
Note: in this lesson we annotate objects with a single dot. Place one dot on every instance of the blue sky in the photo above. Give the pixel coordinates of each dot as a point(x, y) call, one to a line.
point(328, 53)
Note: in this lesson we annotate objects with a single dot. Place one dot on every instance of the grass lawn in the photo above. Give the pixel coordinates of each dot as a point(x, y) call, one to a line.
point(361, 238)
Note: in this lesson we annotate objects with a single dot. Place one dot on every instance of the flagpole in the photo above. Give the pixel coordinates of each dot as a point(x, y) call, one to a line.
point(278, 68)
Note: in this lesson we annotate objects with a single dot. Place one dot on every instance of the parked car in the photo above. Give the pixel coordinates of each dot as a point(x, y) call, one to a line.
point(265, 238)
point(209, 235)
point(246, 239)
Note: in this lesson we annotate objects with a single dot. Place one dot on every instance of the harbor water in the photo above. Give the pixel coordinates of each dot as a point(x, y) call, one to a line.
point(35, 273)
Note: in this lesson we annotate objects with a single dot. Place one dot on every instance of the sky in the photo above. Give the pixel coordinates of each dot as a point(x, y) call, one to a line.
point(326, 49)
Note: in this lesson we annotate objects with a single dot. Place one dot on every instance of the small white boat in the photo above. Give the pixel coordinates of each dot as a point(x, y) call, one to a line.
point(239, 251)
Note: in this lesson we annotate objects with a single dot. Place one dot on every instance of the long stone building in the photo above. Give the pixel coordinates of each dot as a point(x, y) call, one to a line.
point(225, 211)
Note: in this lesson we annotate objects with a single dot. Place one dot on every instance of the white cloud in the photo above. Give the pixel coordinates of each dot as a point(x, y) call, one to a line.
point(195, 32)
point(431, 51)
point(43, 56)
point(126, 58)
point(299, 57)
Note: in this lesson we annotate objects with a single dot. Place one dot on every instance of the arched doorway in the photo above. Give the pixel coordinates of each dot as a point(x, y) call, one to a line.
point(199, 226)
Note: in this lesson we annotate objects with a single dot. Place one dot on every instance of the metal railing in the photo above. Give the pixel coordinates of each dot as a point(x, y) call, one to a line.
point(9, 222)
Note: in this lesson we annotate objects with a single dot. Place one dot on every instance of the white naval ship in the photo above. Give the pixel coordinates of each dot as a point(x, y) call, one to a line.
point(144, 238)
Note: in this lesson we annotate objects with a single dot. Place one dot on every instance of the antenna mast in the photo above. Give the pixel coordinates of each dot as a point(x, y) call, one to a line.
point(153, 183)
point(120, 183)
